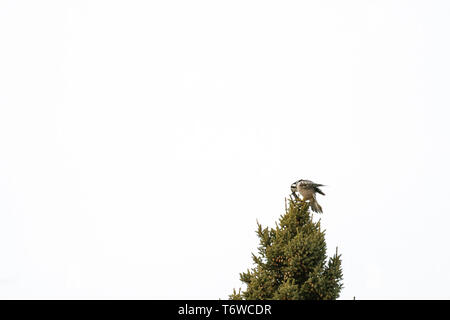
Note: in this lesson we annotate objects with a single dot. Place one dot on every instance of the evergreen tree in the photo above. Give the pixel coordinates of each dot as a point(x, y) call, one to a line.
point(291, 263)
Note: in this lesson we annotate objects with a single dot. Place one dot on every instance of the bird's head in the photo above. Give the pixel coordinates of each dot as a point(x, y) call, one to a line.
point(294, 186)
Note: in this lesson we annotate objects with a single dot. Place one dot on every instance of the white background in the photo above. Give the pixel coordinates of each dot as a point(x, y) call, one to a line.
point(141, 140)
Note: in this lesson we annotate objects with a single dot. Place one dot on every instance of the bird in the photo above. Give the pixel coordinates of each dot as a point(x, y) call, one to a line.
point(308, 190)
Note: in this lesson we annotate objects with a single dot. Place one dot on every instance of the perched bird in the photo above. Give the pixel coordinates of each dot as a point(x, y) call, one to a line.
point(308, 191)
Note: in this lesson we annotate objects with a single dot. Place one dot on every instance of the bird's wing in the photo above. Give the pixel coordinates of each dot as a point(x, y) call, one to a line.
point(319, 185)
point(316, 189)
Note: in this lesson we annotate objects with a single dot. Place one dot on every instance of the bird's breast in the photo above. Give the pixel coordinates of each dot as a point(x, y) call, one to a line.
point(306, 193)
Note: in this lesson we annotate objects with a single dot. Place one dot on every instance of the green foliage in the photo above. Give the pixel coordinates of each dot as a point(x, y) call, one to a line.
point(291, 263)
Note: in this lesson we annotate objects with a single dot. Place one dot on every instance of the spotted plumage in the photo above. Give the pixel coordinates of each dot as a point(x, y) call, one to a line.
point(308, 189)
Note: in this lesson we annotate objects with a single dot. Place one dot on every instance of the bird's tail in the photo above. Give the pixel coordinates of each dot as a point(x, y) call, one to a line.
point(315, 206)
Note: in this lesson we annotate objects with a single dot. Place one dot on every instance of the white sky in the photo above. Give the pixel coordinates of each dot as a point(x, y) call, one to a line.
point(141, 140)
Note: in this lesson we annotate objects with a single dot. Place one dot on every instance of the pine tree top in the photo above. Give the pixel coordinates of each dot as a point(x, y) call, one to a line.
point(291, 262)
